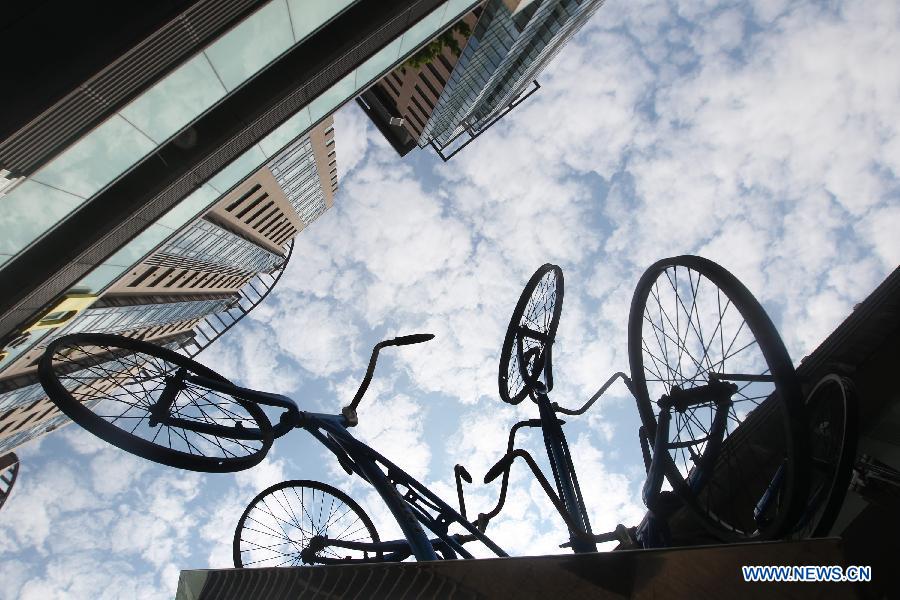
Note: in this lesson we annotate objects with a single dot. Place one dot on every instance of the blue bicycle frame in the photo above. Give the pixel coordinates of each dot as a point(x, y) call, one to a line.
point(418, 506)
point(652, 532)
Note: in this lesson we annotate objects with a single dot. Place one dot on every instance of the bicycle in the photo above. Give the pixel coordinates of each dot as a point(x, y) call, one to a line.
point(831, 413)
point(175, 411)
point(701, 385)
point(722, 456)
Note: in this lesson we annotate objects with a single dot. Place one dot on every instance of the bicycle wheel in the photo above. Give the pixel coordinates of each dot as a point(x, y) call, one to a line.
point(530, 334)
point(278, 524)
point(831, 411)
point(108, 384)
point(689, 319)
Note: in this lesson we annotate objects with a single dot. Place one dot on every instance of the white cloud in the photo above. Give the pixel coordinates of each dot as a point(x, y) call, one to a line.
point(251, 363)
point(114, 472)
point(82, 441)
point(269, 472)
point(763, 135)
point(13, 573)
point(882, 225)
point(83, 576)
point(352, 131)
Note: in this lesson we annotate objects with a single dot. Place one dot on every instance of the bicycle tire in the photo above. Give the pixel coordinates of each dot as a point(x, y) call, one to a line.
point(136, 372)
point(546, 283)
point(726, 515)
point(265, 515)
point(831, 409)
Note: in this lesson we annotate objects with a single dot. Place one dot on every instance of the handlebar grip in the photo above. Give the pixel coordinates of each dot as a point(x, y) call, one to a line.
point(404, 340)
point(501, 466)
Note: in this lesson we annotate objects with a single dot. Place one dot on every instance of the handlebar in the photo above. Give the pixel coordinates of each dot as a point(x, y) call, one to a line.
point(405, 340)
point(484, 518)
point(349, 411)
point(460, 474)
point(504, 465)
point(596, 396)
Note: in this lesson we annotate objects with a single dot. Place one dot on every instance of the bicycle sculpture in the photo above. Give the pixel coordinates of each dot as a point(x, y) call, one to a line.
point(729, 433)
point(177, 412)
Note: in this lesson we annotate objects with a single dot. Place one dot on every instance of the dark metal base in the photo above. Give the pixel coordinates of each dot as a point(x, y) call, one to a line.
point(697, 572)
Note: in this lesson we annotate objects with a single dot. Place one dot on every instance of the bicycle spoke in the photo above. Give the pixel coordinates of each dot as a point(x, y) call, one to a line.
point(689, 327)
point(279, 524)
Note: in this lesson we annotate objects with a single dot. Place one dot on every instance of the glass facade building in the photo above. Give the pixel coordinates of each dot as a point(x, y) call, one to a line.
point(34, 430)
point(33, 394)
point(116, 319)
point(167, 108)
point(510, 45)
point(157, 115)
point(162, 117)
point(296, 173)
point(204, 243)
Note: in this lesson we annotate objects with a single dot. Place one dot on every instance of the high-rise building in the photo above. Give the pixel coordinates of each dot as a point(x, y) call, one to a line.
point(147, 183)
point(149, 128)
point(461, 96)
point(197, 274)
point(402, 102)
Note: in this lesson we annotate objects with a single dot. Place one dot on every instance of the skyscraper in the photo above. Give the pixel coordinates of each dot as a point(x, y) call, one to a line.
point(88, 175)
point(130, 176)
point(195, 275)
point(402, 102)
point(509, 45)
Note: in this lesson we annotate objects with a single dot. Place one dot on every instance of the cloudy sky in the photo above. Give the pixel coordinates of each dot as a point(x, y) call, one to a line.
point(760, 134)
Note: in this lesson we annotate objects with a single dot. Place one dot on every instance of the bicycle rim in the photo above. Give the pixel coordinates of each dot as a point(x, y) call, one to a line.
point(669, 345)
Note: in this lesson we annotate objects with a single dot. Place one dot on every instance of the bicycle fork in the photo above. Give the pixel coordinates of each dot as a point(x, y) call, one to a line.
point(654, 531)
point(564, 474)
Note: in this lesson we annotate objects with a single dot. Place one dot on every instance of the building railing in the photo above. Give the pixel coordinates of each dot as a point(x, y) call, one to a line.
point(251, 294)
point(475, 132)
point(9, 470)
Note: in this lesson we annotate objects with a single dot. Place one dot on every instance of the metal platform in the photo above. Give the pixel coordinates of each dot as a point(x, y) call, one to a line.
point(696, 572)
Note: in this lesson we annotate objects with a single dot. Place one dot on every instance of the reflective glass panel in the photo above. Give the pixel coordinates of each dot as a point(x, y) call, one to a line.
point(135, 250)
point(238, 169)
point(284, 133)
point(27, 212)
point(333, 97)
point(96, 159)
point(457, 7)
point(189, 208)
point(164, 109)
point(252, 45)
point(423, 31)
point(309, 15)
point(380, 62)
point(100, 277)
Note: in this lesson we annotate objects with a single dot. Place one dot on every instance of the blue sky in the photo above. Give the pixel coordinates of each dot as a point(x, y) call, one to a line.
point(760, 134)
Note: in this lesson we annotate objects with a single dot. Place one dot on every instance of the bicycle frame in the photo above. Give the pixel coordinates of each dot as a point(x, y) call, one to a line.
point(564, 473)
point(652, 532)
point(567, 498)
point(410, 510)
